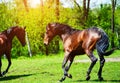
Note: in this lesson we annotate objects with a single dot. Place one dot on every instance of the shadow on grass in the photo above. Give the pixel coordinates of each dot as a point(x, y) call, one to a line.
point(116, 81)
point(14, 77)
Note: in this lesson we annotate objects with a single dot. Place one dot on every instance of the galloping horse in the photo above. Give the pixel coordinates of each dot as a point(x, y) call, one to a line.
point(78, 42)
point(6, 38)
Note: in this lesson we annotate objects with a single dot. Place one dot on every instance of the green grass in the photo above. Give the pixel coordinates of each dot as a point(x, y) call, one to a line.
point(47, 69)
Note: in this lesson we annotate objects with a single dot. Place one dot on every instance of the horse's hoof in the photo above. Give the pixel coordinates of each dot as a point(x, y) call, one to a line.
point(62, 79)
point(88, 78)
point(3, 73)
point(101, 78)
point(69, 76)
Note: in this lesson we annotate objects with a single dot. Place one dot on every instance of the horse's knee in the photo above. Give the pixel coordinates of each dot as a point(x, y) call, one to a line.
point(94, 60)
point(10, 63)
point(102, 62)
point(63, 66)
point(66, 68)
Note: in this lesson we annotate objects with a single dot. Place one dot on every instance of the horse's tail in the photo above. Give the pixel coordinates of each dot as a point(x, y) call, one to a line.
point(103, 44)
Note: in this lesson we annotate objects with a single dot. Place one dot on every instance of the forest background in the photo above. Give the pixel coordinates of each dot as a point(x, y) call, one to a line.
point(80, 15)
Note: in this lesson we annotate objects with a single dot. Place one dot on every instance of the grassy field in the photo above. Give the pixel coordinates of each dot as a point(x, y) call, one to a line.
point(47, 69)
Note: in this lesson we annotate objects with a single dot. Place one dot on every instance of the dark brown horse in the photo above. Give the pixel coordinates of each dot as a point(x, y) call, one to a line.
point(78, 42)
point(6, 38)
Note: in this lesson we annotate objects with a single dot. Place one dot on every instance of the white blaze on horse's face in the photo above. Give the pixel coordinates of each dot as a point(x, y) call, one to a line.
point(46, 39)
point(49, 34)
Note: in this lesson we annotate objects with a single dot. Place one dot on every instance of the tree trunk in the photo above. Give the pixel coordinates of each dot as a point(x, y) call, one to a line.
point(84, 10)
point(112, 22)
point(57, 19)
point(27, 39)
point(26, 5)
point(42, 12)
point(57, 10)
point(88, 7)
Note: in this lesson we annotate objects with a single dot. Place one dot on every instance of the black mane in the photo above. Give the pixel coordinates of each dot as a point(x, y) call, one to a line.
point(7, 31)
point(66, 28)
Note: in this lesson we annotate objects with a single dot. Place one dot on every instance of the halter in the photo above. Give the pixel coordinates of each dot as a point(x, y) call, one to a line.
point(9, 30)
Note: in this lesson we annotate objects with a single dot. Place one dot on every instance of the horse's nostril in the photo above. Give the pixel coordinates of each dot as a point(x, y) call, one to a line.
point(45, 44)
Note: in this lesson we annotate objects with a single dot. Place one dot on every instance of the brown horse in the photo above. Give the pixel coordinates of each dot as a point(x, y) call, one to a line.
point(78, 42)
point(6, 43)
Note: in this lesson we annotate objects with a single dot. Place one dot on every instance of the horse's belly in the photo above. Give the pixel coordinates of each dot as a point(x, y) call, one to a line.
point(3, 48)
point(79, 51)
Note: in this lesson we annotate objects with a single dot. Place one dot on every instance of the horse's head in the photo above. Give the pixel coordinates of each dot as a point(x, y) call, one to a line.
point(50, 33)
point(20, 33)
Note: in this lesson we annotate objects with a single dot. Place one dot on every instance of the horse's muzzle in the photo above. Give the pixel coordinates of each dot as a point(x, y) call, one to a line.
point(24, 44)
point(45, 44)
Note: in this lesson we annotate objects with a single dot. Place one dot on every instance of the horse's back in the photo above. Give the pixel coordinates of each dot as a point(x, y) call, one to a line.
point(82, 40)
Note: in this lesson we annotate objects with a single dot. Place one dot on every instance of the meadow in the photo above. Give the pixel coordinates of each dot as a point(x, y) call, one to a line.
point(47, 69)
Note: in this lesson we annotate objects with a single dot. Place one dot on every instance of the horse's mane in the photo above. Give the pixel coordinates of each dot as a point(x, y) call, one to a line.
point(7, 31)
point(66, 28)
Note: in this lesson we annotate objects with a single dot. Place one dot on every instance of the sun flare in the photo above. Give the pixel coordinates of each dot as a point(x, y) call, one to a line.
point(34, 3)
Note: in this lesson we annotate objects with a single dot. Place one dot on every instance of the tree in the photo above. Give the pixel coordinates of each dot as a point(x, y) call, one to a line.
point(57, 19)
point(112, 21)
point(85, 11)
point(57, 10)
point(26, 5)
point(86, 4)
point(27, 39)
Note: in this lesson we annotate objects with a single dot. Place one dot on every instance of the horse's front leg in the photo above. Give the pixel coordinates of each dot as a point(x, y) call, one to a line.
point(70, 60)
point(0, 67)
point(63, 66)
point(9, 63)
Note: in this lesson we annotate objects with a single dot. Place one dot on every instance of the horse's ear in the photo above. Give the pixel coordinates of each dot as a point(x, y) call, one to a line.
point(53, 25)
point(25, 27)
point(48, 27)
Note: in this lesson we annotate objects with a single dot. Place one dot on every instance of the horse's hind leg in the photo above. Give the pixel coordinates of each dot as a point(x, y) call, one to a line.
point(9, 63)
point(94, 60)
point(102, 61)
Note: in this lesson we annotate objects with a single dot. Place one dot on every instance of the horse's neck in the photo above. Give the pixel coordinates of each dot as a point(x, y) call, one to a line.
point(67, 34)
point(64, 37)
point(10, 34)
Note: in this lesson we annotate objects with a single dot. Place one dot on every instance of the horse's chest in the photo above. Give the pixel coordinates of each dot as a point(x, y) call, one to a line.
point(4, 46)
point(74, 46)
